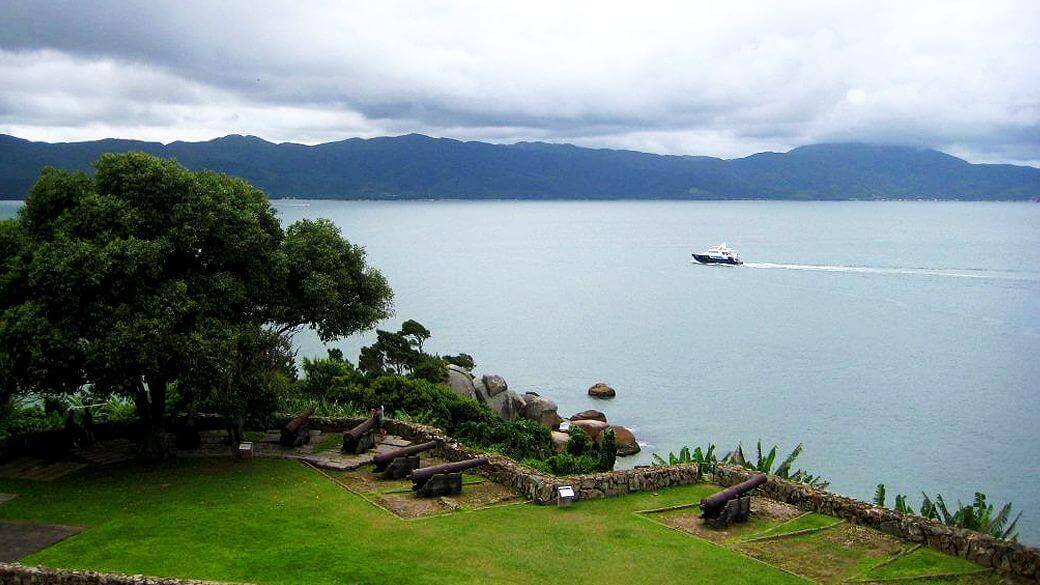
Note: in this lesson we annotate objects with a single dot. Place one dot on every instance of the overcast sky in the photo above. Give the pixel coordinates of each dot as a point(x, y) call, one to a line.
point(724, 78)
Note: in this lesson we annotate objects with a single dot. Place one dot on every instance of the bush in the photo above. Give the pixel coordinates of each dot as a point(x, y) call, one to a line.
point(580, 443)
point(607, 450)
point(435, 404)
point(566, 464)
point(328, 379)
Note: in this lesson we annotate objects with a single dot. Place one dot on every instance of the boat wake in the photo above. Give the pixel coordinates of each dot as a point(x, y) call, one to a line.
point(952, 273)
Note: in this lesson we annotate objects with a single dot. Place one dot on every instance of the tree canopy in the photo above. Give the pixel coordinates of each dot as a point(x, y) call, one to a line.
point(146, 274)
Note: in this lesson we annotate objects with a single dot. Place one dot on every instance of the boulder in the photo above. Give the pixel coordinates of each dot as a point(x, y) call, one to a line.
point(592, 428)
point(460, 381)
point(626, 441)
point(507, 405)
point(494, 384)
point(481, 390)
point(590, 415)
point(601, 390)
point(541, 410)
point(560, 440)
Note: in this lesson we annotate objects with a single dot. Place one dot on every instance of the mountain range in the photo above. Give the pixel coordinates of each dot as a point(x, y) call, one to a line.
point(417, 167)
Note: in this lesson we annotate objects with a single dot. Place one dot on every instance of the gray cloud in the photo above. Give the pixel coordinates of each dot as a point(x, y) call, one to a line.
point(713, 78)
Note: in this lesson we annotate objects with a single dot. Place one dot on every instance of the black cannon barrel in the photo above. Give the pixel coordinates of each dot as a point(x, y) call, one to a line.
point(428, 472)
point(384, 458)
point(716, 501)
point(295, 424)
point(366, 425)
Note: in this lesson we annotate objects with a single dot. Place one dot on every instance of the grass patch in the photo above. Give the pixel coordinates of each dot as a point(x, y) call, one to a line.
point(928, 561)
point(809, 521)
point(830, 556)
point(276, 521)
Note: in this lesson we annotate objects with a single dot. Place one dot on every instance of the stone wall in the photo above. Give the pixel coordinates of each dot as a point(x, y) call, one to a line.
point(1009, 558)
point(15, 574)
point(540, 487)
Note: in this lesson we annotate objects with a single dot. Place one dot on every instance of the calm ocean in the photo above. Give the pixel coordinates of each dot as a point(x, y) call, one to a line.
point(897, 340)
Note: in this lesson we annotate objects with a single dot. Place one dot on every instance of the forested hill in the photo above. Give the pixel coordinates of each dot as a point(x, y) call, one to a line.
point(416, 166)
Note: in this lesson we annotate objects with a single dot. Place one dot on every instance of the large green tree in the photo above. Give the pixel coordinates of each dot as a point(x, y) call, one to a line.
point(145, 273)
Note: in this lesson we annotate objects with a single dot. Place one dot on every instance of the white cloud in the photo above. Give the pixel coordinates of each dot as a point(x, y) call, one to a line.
point(694, 78)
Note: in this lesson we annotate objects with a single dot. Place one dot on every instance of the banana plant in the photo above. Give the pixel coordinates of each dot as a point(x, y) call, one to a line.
point(764, 464)
point(705, 459)
point(977, 515)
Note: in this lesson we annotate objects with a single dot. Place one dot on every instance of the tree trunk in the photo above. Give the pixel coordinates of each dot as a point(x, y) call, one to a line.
point(151, 408)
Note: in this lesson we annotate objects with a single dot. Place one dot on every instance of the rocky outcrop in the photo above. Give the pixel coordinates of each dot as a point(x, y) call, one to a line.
point(494, 384)
point(626, 441)
point(541, 410)
point(593, 428)
point(601, 390)
point(560, 440)
point(508, 405)
point(590, 415)
point(461, 382)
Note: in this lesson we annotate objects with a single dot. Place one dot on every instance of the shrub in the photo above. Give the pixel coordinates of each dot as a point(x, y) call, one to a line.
point(566, 464)
point(607, 450)
point(463, 418)
point(580, 443)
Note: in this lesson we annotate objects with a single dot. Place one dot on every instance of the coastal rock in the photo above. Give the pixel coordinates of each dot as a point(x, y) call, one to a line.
point(601, 390)
point(494, 384)
point(592, 428)
point(559, 440)
point(626, 441)
point(481, 390)
point(461, 382)
point(541, 410)
point(590, 415)
point(508, 405)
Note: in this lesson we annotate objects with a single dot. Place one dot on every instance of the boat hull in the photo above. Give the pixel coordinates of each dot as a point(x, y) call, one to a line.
point(705, 259)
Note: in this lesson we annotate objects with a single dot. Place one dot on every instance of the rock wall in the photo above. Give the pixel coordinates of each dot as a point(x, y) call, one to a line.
point(1009, 558)
point(15, 574)
point(540, 487)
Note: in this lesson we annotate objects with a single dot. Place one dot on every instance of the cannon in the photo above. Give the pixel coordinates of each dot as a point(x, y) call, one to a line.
point(441, 480)
point(363, 437)
point(732, 504)
point(295, 432)
point(400, 462)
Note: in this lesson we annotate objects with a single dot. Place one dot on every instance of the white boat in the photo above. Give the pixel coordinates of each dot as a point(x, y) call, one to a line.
point(721, 254)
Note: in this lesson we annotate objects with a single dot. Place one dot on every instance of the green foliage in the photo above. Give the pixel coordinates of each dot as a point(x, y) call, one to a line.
point(322, 407)
point(328, 379)
point(607, 450)
point(879, 495)
point(463, 360)
point(147, 275)
point(566, 464)
point(978, 516)
point(463, 418)
point(415, 334)
point(402, 353)
point(764, 463)
point(705, 459)
point(579, 443)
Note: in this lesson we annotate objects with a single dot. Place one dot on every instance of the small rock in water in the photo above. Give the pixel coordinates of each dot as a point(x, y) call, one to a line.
point(601, 390)
point(590, 415)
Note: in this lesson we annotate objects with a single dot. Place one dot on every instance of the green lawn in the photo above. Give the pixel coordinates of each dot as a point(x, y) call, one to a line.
point(273, 521)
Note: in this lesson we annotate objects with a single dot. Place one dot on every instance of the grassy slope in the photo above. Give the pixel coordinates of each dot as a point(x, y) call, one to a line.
point(278, 522)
